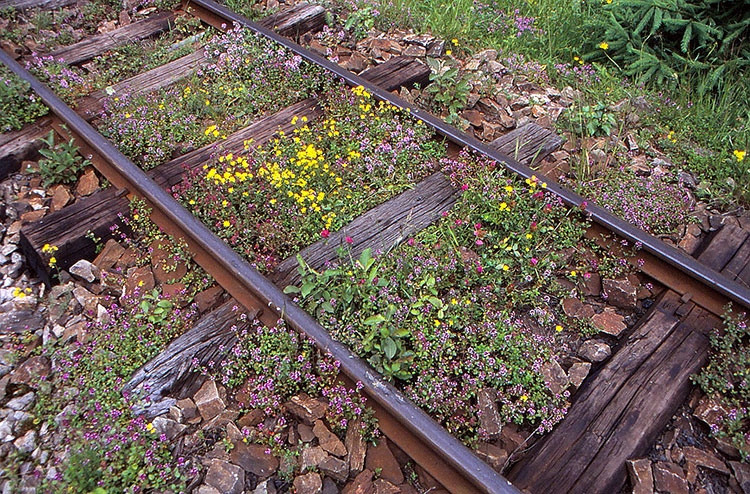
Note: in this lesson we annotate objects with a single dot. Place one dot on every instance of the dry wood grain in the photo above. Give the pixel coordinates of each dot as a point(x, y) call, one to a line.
point(93, 46)
point(528, 144)
point(172, 369)
point(300, 19)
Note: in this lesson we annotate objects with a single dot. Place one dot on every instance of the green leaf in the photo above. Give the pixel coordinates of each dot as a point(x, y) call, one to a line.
point(306, 289)
point(389, 347)
point(373, 320)
point(291, 289)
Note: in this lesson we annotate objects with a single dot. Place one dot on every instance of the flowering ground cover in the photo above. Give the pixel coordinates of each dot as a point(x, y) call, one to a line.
point(104, 443)
point(246, 76)
point(298, 188)
point(18, 104)
point(466, 306)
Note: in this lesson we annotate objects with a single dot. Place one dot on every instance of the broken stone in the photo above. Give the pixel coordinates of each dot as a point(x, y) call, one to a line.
point(251, 418)
point(578, 373)
point(22, 402)
point(609, 322)
point(88, 300)
point(489, 416)
point(594, 351)
point(221, 420)
point(620, 293)
point(380, 457)
point(26, 443)
point(310, 483)
point(227, 478)
point(474, 117)
point(382, 486)
point(641, 477)
point(209, 401)
point(710, 411)
point(141, 280)
point(60, 198)
point(577, 310)
point(312, 457)
point(267, 487)
point(254, 459)
point(328, 440)
point(168, 427)
point(183, 411)
point(110, 254)
point(362, 484)
point(486, 55)
point(415, 51)
point(31, 371)
point(493, 455)
point(305, 432)
point(669, 477)
point(335, 468)
point(305, 408)
point(85, 270)
point(88, 183)
point(554, 376)
point(704, 459)
point(355, 445)
point(742, 474)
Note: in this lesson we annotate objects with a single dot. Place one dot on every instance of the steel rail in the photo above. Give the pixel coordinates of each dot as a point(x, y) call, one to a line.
point(620, 227)
point(251, 288)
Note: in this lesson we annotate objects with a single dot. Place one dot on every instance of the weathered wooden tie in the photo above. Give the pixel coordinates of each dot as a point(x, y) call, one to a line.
point(529, 144)
point(34, 4)
point(621, 409)
point(93, 46)
point(300, 19)
point(409, 69)
point(172, 371)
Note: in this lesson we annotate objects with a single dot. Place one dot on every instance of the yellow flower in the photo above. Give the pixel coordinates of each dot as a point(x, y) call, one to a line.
point(448, 52)
point(604, 45)
point(454, 41)
point(558, 328)
point(740, 155)
point(226, 223)
point(437, 322)
point(572, 273)
point(505, 267)
point(150, 427)
point(524, 398)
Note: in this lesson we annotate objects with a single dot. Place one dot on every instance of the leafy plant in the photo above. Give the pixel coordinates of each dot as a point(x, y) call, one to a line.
point(448, 89)
point(155, 309)
point(18, 104)
point(592, 120)
point(61, 162)
point(666, 40)
point(361, 20)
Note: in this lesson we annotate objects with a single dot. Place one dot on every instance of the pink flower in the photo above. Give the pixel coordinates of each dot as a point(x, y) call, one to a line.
point(479, 269)
point(464, 186)
point(534, 261)
point(411, 242)
point(479, 241)
point(349, 240)
point(325, 233)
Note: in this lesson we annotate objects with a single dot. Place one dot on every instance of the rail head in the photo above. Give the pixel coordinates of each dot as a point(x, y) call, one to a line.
point(247, 284)
point(637, 237)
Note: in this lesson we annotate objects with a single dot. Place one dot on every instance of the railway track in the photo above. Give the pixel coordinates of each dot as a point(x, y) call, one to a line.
point(590, 445)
